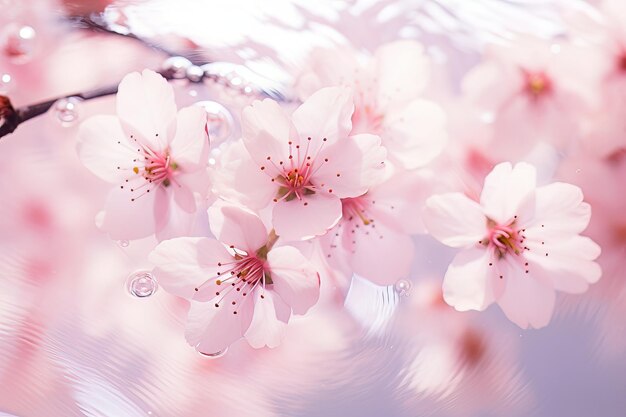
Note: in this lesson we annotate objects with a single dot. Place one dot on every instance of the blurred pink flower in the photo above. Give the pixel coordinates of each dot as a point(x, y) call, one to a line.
point(305, 166)
point(521, 243)
point(530, 93)
point(387, 101)
point(239, 285)
point(156, 157)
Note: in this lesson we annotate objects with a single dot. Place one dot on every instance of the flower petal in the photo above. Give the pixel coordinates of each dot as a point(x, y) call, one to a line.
point(266, 328)
point(190, 146)
point(295, 279)
point(454, 219)
point(103, 147)
point(184, 264)
point(146, 107)
point(266, 132)
point(402, 71)
point(527, 299)
point(382, 256)
point(415, 134)
point(237, 226)
point(212, 329)
point(351, 165)
point(506, 189)
point(127, 219)
point(238, 178)
point(470, 282)
point(325, 115)
point(560, 209)
point(303, 219)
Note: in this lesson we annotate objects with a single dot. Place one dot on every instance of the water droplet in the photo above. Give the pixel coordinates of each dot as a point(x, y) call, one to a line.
point(123, 243)
point(6, 83)
point(176, 67)
point(214, 355)
point(578, 171)
point(67, 110)
point(403, 287)
point(141, 284)
point(18, 43)
point(220, 121)
point(195, 74)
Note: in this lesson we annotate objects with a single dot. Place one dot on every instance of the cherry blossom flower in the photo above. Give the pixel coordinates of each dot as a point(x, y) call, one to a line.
point(531, 94)
point(304, 167)
point(238, 285)
point(156, 157)
point(521, 243)
point(387, 98)
point(373, 237)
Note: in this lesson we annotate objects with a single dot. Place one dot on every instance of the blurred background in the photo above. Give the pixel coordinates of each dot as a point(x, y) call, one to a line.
point(85, 331)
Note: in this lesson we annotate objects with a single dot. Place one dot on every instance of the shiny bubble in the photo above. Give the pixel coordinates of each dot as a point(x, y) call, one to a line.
point(176, 67)
point(19, 43)
point(195, 74)
point(6, 83)
point(214, 355)
point(220, 121)
point(403, 287)
point(141, 284)
point(67, 110)
point(123, 243)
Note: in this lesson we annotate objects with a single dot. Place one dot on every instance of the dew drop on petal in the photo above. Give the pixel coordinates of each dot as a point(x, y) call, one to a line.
point(123, 243)
point(214, 355)
point(220, 120)
point(66, 110)
point(141, 284)
point(6, 83)
point(403, 287)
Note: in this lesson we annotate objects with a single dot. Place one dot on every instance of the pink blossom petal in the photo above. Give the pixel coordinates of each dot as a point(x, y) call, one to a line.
point(184, 264)
point(455, 220)
point(103, 146)
point(569, 264)
point(295, 279)
point(402, 71)
point(295, 220)
point(190, 146)
point(351, 165)
point(399, 202)
point(126, 219)
point(326, 114)
point(212, 329)
point(506, 189)
point(527, 299)
point(266, 132)
point(146, 107)
point(268, 325)
point(237, 226)
point(382, 256)
point(171, 217)
point(470, 282)
point(238, 178)
point(560, 209)
point(415, 134)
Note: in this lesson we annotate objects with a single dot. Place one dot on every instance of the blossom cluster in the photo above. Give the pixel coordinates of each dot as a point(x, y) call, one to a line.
point(343, 184)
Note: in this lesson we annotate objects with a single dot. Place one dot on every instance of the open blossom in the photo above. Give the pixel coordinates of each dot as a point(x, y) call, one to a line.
point(530, 93)
point(303, 166)
point(387, 98)
point(155, 156)
point(373, 237)
point(238, 285)
point(521, 243)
